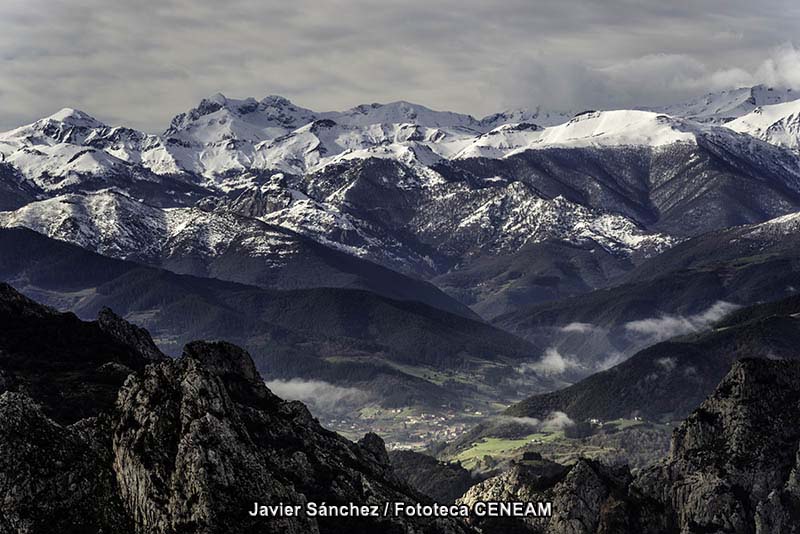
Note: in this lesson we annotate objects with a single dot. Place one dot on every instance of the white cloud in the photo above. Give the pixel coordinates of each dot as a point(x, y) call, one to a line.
point(782, 69)
point(319, 396)
point(580, 328)
point(666, 326)
point(552, 363)
point(668, 364)
point(527, 421)
point(141, 62)
point(556, 420)
point(610, 360)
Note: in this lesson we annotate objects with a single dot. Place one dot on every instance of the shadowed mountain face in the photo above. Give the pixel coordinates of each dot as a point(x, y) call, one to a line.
point(670, 379)
point(338, 335)
point(679, 189)
point(101, 437)
point(540, 272)
point(443, 481)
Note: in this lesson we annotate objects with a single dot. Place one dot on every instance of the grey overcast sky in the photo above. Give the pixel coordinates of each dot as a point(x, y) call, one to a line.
point(139, 62)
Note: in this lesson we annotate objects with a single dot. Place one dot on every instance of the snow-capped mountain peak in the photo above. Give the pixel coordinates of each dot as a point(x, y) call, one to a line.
point(535, 115)
point(218, 117)
point(74, 117)
point(778, 124)
point(67, 125)
point(403, 112)
point(588, 129)
point(724, 106)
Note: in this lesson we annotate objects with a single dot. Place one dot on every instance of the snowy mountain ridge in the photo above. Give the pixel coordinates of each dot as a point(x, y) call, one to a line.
point(222, 137)
point(113, 224)
point(777, 124)
point(245, 185)
point(724, 106)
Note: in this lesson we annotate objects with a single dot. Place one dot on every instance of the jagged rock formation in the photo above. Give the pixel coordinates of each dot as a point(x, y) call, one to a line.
point(586, 498)
point(733, 468)
point(734, 462)
point(188, 445)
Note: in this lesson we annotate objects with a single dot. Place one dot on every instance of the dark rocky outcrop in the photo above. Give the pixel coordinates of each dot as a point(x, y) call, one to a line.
point(185, 445)
point(129, 334)
point(734, 462)
point(72, 368)
point(55, 478)
point(733, 468)
point(587, 498)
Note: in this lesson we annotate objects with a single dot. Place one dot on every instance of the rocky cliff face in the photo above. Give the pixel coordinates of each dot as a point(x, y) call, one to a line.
point(733, 468)
point(588, 497)
point(188, 445)
point(734, 462)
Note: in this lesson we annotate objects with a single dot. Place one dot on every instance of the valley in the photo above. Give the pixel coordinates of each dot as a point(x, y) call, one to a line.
point(416, 267)
point(426, 275)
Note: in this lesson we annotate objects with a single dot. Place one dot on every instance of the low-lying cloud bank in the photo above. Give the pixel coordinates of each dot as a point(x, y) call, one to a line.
point(554, 422)
point(321, 397)
point(558, 362)
point(552, 363)
point(667, 326)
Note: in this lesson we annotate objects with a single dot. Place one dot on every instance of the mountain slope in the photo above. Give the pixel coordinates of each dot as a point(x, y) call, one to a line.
point(537, 273)
point(714, 179)
point(70, 151)
point(725, 106)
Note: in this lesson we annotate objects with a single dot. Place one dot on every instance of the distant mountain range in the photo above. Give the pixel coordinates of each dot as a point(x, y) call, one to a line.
point(560, 229)
point(596, 265)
